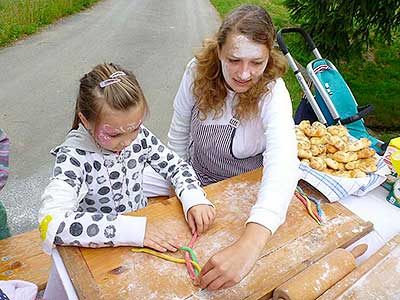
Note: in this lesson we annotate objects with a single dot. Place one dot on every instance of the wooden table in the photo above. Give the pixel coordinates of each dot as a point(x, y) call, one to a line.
point(117, 273)
point(22, 258)
point(376, 278)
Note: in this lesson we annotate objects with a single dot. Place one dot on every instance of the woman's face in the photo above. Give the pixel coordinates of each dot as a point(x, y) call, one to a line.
point(243, 62)
point(117, 129)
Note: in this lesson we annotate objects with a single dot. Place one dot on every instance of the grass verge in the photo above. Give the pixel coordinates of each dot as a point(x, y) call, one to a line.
point(23, 17)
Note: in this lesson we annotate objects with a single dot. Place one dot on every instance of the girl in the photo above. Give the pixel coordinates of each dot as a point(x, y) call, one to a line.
point(98, 172)
point(233, 114)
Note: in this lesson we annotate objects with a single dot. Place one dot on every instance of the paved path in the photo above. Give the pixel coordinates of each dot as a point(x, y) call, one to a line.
point(40, 74)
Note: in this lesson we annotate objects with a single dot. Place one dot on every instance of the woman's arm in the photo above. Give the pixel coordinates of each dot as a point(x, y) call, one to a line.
point(178, 135)
point(230, 265)
point(281, 165)
point(280, 175)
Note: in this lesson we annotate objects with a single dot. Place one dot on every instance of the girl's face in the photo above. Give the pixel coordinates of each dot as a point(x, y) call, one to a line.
point(243, 62)
point(117, 129)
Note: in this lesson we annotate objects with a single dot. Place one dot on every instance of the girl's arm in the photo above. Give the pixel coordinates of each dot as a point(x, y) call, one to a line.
point(178, 135)
point(62, 223)
point(182, 176)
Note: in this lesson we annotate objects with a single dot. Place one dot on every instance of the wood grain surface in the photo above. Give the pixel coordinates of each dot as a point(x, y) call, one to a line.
point(120, 274)
point(22, 257)
point(376, 278)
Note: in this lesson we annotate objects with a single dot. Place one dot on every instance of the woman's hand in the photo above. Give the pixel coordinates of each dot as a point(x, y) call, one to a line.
point(159, 240)
point(200, 217)
point(229, 266)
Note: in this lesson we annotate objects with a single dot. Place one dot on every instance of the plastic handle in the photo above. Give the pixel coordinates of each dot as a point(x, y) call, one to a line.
point(362, 112)
point(281, 41)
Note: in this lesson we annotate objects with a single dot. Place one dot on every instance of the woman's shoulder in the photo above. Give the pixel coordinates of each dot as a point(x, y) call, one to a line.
point(277, 92)
point(276, 87)
point(277, 83)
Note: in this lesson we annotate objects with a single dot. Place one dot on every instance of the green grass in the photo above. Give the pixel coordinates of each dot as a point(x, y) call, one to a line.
point(23, 17)
point(375, 80)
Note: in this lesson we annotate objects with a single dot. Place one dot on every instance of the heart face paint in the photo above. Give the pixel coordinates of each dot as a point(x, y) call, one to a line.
point(106, 132)
point(243, 62)
point(117, 129)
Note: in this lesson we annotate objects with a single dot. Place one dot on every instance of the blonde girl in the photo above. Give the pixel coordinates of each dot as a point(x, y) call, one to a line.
point(98, 171)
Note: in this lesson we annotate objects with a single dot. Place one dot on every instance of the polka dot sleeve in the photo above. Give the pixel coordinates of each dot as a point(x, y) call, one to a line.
point(100, 230)
point(170, 166)
point(62, 220)
point(69, 167)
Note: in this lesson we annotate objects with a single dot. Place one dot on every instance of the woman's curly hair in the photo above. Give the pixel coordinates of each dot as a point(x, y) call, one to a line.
point(209, 84)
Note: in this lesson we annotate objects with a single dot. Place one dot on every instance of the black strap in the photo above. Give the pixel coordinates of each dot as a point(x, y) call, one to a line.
point(362, 112)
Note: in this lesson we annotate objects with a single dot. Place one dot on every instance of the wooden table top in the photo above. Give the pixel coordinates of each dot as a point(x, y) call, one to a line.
point(22, 258)
point(376, 278)
point(117, 273)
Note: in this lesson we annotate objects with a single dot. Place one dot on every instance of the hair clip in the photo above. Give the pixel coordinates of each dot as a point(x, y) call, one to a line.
point(117, 74)
point(112, 79)
point(108, 82)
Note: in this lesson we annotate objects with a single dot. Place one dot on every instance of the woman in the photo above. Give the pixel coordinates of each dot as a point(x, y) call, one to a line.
point(233, 114)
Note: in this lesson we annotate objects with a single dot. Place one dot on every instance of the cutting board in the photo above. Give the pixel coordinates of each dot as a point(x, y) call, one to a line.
point(117, 273)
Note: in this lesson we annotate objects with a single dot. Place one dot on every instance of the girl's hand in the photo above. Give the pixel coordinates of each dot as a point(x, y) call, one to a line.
point(159, 240)
point(229, 266)
point(200, 217)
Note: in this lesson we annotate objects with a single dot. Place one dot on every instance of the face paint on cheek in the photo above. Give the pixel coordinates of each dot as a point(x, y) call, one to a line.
point(244, 48)
point(108, 129)
point(225, 71)
point(260, 70)
point(102, 136)
point(123, 129)
point(133, 126)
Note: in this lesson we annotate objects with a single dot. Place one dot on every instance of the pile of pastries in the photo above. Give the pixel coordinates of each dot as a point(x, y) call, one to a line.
point(329, 150)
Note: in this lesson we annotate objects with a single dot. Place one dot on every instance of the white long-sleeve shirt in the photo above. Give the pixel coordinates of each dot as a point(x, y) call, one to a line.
point(90, 190)
point(271, 133)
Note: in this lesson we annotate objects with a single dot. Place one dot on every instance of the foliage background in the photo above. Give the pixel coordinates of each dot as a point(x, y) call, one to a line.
point(373, 77)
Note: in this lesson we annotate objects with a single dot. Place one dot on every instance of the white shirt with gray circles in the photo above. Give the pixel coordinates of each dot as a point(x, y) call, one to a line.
point(90, 190)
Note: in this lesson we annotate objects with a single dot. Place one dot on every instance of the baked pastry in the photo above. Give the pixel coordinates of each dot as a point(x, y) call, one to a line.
point(330, 150)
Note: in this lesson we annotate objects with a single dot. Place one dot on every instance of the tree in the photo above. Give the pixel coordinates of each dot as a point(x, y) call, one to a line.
point(342, 28)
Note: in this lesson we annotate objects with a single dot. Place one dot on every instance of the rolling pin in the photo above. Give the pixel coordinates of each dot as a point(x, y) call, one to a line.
point(317, 278)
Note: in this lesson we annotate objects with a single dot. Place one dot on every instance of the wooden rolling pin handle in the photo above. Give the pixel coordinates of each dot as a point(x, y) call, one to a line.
point(359, 250)
point(310, 283)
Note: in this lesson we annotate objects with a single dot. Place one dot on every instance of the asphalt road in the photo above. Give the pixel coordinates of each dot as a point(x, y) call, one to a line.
point(39, 79)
